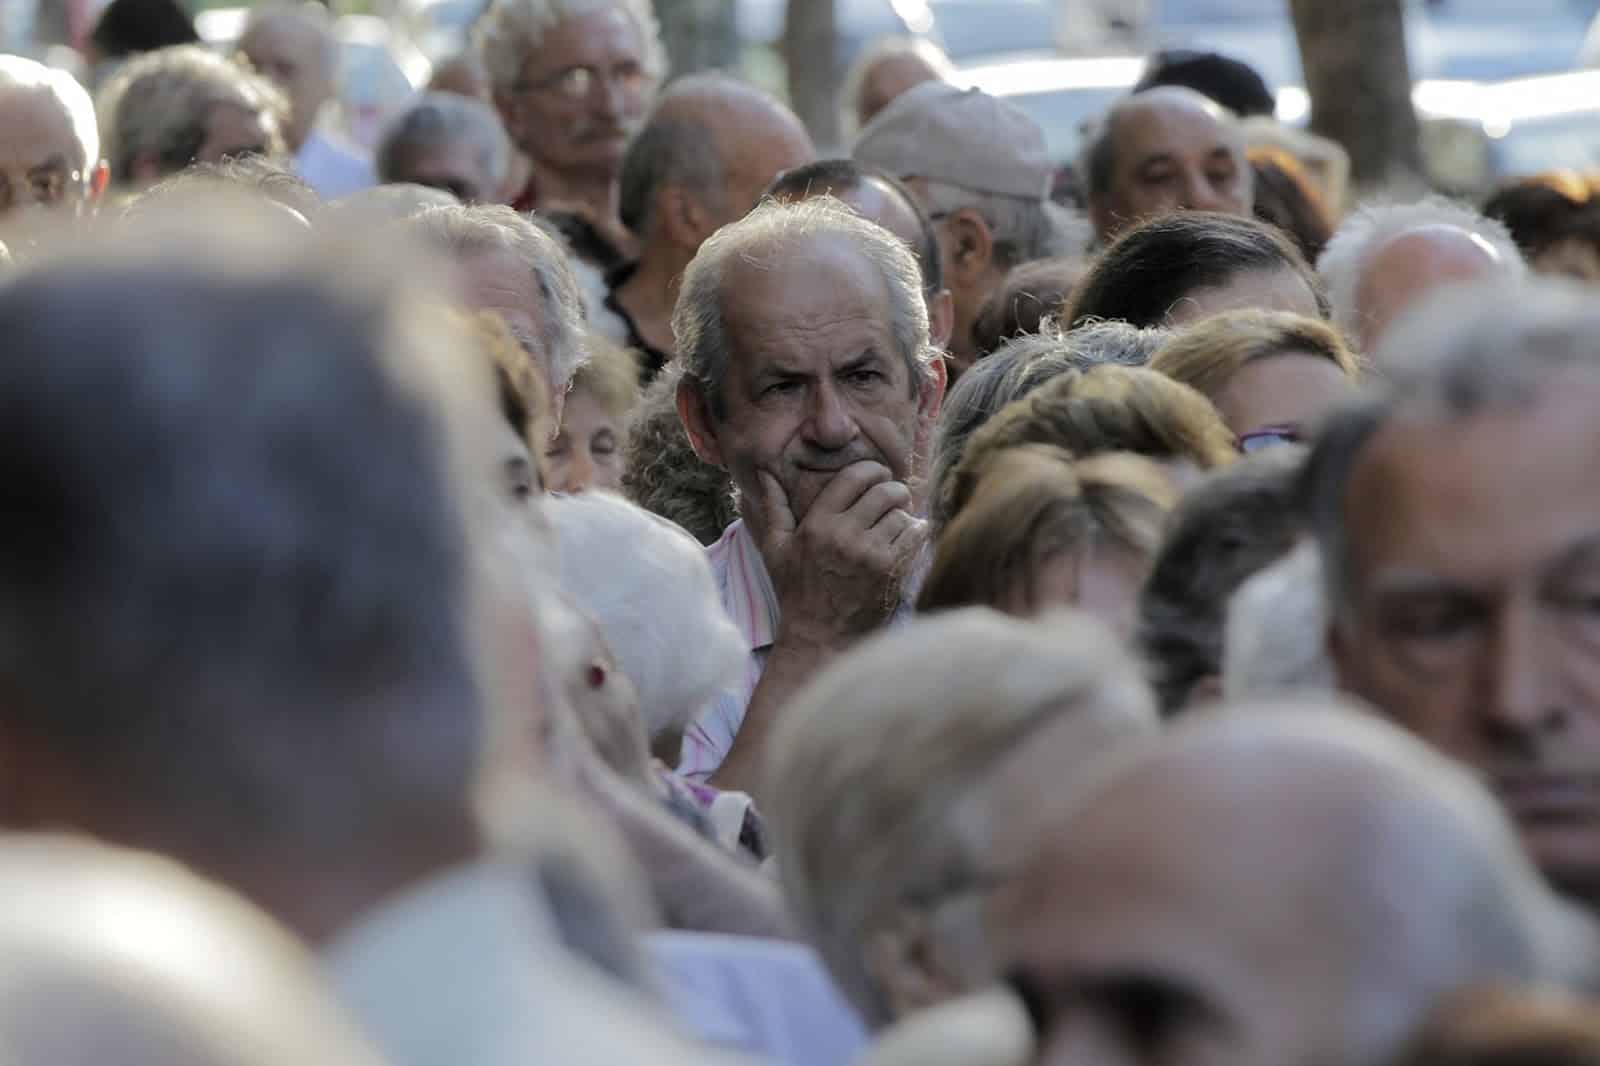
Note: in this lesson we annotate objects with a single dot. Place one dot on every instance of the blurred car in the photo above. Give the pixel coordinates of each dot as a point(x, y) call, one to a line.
point(380, 69)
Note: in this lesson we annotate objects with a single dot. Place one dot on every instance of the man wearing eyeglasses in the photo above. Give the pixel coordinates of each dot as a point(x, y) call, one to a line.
point(572, 87)
point(49, 144)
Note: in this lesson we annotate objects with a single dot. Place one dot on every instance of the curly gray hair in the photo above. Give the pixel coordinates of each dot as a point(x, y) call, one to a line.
point(511, 29)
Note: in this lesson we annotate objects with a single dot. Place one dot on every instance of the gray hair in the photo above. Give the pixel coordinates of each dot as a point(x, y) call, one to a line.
point(647, 584)
point(308, 13)
point(764, 237)
point(1462, 353)
point(19, 75)
point(278, 453)
point(436, 120)
point(157, 106)
point(465, 231)
point(1024, 230)
point(510, 30)
point(1015, 369)
point(668, 151)
point(911, 726)
point(1367, 229)
point(1275, 638)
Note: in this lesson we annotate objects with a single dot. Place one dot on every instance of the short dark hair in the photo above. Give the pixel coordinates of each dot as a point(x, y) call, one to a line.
point(1234, 84)
point(668, 151)
point(1154, 265)
point(232, 576)
point(846, 175)
point(1549, 208)
point(1237, 521)
point(1287, 198)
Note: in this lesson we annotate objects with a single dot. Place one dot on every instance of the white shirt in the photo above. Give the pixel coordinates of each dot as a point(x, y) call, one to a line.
point(767, 998)
point(333, 170)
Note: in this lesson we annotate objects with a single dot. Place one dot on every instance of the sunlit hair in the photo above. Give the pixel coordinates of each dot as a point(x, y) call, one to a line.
point(912, 726)
point(157, 108)
point(512, 30)
point(1275, 639)
point(19, 75)
point(523, 399)
point(1206, 355)
point(1090, 412)
point(611, 377)
point(882, 51)
point(1034, 504)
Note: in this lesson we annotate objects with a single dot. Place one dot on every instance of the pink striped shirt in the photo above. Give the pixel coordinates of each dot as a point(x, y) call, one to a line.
point(752, 603)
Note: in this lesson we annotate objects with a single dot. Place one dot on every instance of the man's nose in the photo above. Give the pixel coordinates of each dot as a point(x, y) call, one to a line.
point(1522, 692)
point(1199, 194)
point(610, 99)
point(830, 423)
point(580, 471)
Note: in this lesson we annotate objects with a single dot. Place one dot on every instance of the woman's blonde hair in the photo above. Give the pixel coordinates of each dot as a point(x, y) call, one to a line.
point(521, 392)
point(611, 376)
point(1095, 411)
point(1209, 353)
point(1034, 503)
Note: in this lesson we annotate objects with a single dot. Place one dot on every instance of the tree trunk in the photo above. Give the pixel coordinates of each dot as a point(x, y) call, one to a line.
point(810, 55)
point(1356, 70)
point(699, 35)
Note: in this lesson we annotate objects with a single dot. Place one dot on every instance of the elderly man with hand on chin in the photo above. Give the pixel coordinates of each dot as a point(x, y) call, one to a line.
point(810, 379)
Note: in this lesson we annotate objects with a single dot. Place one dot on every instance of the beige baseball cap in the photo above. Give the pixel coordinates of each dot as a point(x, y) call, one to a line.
point(963, 137)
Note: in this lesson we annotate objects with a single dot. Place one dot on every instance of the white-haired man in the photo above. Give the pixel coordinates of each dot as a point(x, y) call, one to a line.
point(1386, 257)
point(809, 377)
point(49, 143)
point(1460, 534)
point(506, 264)
point(450, 142)
point(295, 46)
point(572, 80)
point(168, 109)
point(1275, 889)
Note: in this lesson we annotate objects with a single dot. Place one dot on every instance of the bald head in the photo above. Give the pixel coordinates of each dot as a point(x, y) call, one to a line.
point(1163, 150)
point(295, 46)
point(1297, 886)
point(1407, 267)
point(708, 151)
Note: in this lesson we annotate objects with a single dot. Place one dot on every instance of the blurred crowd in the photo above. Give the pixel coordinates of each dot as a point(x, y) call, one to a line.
point(605, 581)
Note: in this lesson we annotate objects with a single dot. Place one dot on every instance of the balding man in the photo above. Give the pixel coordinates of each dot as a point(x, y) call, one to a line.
point(295, 46)
point(572, 81)
point(1385, 258)
point(49, 143)
point(506, 264)
point(1459, 524)
point(1274, 889)
point(703, 159)
point(809, 377)
point(1163, 150)
point(450, 142)
point(879, 198)
point(981, 170)
point(166, 110)
point(889, 68)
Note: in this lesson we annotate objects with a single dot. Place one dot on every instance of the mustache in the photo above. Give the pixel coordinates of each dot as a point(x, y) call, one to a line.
point(592, 132)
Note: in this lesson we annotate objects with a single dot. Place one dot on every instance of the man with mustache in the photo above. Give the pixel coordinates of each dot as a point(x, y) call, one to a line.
point(809, 377)
point(572, 82)
point(1459, 524)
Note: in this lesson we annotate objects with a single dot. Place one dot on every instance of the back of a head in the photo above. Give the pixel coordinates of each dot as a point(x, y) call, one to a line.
point(1230, 82)
point(251, 175)
point(115, 956)
point(1102, 409)
point(1549, 208)
point(128, 27)
point(1287, 198)
point(382, 204)
point(438, 122)
point(646, 582)
point(1153, 266)
point(1237, 521)
point(1034, 504)
point(909, 724)
point(1030, 295)
point(1015, 369)
point(1207, 354)
point(662, 473)
point(256, 546)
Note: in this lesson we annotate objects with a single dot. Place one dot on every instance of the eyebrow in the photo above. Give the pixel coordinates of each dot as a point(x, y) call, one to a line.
point(866, 359)
point(1408, 582)
point(55, 162)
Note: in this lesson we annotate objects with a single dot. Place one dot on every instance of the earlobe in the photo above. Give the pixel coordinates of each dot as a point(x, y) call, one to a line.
point(696, 419)
point(974, 247)
point(941, 319)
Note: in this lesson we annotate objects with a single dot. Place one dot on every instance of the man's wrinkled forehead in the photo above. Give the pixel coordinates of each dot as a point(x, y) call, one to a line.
point(35, 127)
point(1172, 121)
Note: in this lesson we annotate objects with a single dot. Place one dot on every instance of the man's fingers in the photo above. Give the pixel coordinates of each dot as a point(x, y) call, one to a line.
point(878, 502)
point(775, 507)
point(848, 485)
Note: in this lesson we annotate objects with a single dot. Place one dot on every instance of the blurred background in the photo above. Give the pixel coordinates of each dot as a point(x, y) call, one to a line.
point(1454, 94)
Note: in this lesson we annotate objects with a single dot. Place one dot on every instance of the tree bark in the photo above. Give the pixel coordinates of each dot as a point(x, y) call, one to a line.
point(810, 55)
point(699, 35)
point(1353, 53)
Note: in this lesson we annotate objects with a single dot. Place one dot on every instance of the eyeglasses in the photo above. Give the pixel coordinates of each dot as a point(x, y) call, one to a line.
point(576, 83)
point(49, 186)
point(1267, 437)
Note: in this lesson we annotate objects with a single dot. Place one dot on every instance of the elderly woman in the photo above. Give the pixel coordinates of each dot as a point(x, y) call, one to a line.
point(587, 452)
point(1043, 531)
point(955, 740)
